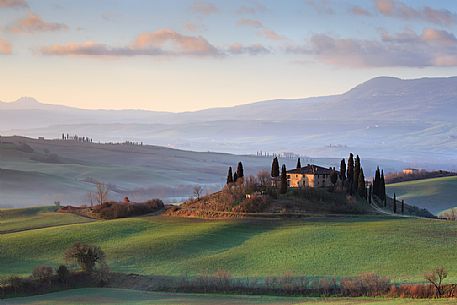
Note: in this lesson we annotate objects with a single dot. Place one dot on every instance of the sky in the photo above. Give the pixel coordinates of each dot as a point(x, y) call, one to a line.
point(186, 55)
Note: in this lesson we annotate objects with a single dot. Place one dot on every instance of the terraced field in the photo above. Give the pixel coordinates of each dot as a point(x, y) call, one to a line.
point(131, 297)
point(402, 249)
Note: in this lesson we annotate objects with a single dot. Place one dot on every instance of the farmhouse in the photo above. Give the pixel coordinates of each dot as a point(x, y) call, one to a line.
point(309, 176)
point(410, 171)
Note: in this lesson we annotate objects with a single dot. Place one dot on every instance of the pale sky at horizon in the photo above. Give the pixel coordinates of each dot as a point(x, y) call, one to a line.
point(189, 55)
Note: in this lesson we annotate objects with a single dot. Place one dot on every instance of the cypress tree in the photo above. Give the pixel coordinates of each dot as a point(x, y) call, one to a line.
point(239, 170)
point(382, 187)
point(362, 190)
point(235, 177)
point(229, 176)
point(283, 188)
point(395, 203)
point(298, 163)
point(403, 206)
point(350, 173)
point(343, 170)
point(357, 167)
point(275, 168)
point(376, 183)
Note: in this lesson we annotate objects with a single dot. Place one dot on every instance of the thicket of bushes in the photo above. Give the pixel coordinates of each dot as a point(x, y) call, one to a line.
point(111, 210)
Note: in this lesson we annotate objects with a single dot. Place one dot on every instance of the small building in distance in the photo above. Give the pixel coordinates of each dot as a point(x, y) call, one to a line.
point(410, 171)
point(310, 176)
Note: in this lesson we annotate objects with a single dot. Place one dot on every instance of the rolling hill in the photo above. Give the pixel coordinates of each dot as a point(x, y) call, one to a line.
point(384, 117)
point(40, 172)
point(401, 248)
point(436, 195)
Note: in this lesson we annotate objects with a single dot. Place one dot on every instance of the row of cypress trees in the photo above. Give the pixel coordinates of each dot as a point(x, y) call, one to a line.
point(353, 177)
point(379, 185)
point(233, 177)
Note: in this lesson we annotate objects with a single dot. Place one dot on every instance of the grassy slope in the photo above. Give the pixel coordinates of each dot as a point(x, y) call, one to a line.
point(130, 297)
point(401, 248)
point(15, 220)
point(435, 195)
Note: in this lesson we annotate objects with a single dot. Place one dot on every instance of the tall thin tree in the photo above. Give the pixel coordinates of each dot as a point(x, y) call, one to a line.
point(357, 167)
point(229, 176)
point(298, 163)
point(284, 185)
point(350, 174)
point(361, 188)
point(240, 170)
point(343, 170)
point(275, 168)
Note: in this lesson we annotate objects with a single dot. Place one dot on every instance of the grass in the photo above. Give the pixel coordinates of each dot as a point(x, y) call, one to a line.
point(15, 220)
point(130, 297)
point(402, 249)
point(435, 195)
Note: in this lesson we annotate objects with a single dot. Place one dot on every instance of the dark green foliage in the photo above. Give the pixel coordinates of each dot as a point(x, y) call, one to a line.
point(343, 170)
point(357, 168)
point(86, 256)
point(361, 188)
point(298, 163)
point(376, 182)
point(240, 170)
point(350, 174)
point(235, 177)
point(382, 187)
point(63, 274)
point(229, 176)
point(283, 188)
point(275, 168)
point(334, 177)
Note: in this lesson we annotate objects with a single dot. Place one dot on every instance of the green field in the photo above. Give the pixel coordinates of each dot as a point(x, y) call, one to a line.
point(435, 195)
point(402, 249)
point(130, 297)
point(15, 220)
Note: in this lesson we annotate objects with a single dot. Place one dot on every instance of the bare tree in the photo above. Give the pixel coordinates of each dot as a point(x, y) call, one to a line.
point(264, 179)
point(436, 277)
point(198, 190)
point(90, 198)
point(101, 194)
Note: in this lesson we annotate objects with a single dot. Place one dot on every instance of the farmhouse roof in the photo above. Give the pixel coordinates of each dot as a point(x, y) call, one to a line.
point(311, 169)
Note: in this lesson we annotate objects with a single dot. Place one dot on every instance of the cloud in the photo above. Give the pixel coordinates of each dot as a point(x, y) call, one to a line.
point(204, 8)
point(5, 47)
point(432, 47)
point(252, 8)
point(254, 49)
point(398, 9)
point(162, 42)
point(360, 11)
point(322, 7)
point(194, 27)
point(13, 4)
point(262, 30)
point(34, 23)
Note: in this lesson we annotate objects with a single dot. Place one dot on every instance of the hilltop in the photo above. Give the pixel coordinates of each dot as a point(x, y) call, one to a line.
point(384, 117)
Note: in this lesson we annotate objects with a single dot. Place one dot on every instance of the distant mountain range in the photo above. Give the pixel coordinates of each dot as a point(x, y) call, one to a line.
point(385, 117)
